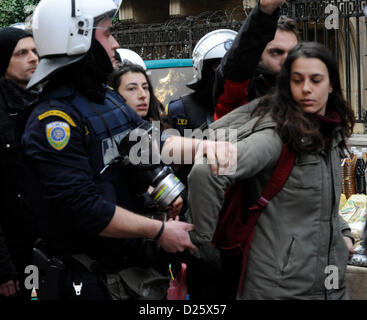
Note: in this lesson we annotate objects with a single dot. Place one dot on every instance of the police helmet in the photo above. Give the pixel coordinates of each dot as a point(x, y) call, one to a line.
point(127, 55)
point(213, 45)
point(63, 30)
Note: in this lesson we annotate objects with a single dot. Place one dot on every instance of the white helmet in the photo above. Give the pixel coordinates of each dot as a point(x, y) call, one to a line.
point(63, 29)
point(213, 45)
point(127, 55)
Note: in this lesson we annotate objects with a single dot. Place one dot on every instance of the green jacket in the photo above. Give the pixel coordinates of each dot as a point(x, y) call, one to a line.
point(299, 234)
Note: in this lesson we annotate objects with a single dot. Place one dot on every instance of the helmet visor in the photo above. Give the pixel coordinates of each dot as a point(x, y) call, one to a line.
point(102, 9)
point(114, 12)
point(19, 25)
point(118, 5)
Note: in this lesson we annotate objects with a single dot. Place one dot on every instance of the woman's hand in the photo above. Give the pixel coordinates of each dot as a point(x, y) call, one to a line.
point(175, 208)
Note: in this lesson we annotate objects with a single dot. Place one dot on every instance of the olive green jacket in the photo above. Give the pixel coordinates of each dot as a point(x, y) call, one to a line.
point(298, 250)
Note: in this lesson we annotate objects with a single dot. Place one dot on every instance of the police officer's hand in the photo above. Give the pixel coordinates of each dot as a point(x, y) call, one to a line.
point(221, 156)
point(269, 6)
point(175, 236)
point(175, 208)
point(9, 288)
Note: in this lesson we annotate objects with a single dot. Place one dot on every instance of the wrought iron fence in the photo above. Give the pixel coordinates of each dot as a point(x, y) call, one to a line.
point(340, 25)
point(176, 38)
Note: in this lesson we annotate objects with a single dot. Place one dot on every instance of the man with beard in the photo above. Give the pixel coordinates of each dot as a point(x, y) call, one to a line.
point(248, 70)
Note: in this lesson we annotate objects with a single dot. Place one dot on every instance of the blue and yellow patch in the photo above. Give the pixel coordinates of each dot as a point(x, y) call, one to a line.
point(58, 134)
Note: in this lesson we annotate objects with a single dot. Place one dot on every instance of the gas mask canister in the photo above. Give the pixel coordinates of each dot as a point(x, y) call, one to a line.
point(140, 150)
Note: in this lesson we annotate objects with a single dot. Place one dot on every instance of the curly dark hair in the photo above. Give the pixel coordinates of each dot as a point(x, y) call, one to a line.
point(293, 124)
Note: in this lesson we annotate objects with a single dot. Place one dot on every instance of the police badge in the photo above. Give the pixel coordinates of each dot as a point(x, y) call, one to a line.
point(58, 134)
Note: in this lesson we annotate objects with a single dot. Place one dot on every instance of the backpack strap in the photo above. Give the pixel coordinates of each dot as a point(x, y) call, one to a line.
point(274, 185)
point(277, 180)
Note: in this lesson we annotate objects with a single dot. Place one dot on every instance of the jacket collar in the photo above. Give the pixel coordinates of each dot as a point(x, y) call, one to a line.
point(58, 92)
point(336, 134)
point(15, 96)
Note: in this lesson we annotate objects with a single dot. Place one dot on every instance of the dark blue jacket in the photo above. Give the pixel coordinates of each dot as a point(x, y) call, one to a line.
point(68, 142)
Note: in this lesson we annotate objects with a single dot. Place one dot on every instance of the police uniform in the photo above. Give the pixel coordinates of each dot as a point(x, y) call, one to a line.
point(71, 144)
point(191, 111)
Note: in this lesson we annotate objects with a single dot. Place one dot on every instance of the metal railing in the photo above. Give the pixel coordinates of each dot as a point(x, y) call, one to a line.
point(176, 38)
point(340, 25)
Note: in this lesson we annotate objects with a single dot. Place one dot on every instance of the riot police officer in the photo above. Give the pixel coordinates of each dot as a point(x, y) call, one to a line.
point(87, 208)
point(130, 56)
point(197, 108)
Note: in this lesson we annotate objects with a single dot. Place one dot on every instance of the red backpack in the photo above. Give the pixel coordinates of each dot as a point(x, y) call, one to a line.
point(236, 224)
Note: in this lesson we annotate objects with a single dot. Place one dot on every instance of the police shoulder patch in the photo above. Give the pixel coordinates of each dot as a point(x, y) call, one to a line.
point(166, 109)
point(58, 134)
point(57, 113)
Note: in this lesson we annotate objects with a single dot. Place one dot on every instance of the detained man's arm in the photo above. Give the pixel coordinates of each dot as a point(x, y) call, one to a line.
point(126, 224)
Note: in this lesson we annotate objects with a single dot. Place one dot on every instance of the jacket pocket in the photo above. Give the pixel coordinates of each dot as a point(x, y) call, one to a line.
point(287, 261)
point(306, 172)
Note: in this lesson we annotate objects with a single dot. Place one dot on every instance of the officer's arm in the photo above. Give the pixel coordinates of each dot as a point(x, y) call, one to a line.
point(126, 224)
point(64, 169)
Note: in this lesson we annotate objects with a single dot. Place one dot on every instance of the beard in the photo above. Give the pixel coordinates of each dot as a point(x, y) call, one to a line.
point(22, 78)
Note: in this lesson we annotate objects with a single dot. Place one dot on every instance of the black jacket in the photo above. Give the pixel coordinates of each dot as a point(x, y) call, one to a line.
point(17, 222)
point(241, 61)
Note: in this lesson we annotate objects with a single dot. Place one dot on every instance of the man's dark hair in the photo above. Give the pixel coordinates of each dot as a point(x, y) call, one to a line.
point(288, 25)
